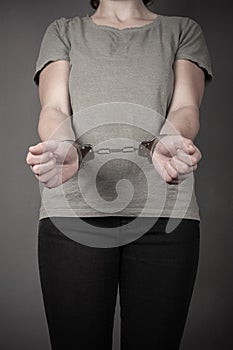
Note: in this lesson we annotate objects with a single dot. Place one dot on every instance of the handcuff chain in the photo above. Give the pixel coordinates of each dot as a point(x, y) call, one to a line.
point(126, 149)
point(145, 149)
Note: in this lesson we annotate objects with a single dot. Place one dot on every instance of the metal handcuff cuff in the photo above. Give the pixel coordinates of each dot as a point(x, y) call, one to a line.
point(145, 149)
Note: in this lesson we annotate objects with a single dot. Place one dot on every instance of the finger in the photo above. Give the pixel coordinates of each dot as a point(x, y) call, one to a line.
point(53, 182)
point(37, 149)
point(44, 167)
point(197, 154)
point(38, 159)
point(47, 176)
point(185, 144)
point(180, 166)
point(171, 170)
point(41, 147)
point(175, 176)
point(194, 167)
point(186, 158)
point(162, 171)
point(171, 143)
point(165, 175)
point(166, 145)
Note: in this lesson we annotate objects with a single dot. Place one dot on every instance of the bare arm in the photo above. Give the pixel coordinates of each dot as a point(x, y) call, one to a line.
point(183, 112)
point(52, 161)
point(173, 157)
point(54, 120)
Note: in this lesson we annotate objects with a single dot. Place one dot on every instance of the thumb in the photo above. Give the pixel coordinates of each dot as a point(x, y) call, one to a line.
point(41, 147)
point(190, 148)
point(187, 146)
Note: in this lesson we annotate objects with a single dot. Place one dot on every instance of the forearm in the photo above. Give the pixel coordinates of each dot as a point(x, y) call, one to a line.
point(54, 124)
point(184, 121)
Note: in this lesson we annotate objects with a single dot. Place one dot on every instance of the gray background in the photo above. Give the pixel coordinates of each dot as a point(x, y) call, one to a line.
point(22, 319)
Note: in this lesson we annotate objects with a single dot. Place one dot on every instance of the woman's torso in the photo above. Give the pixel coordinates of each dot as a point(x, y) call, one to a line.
point(121, 84)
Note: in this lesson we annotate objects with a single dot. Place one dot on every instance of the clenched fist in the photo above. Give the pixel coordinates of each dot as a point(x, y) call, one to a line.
point(175, 157)
point(53, 162)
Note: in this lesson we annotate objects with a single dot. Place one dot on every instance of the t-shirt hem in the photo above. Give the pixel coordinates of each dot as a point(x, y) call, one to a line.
point(132, 212)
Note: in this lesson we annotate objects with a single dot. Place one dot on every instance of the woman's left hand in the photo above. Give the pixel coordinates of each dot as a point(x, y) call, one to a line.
point(175, 157)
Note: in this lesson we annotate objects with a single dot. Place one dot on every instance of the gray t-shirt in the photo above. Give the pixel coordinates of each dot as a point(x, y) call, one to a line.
point(121, 85)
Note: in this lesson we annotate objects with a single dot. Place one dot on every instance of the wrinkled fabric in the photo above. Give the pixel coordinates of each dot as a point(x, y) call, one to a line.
point(121, 85)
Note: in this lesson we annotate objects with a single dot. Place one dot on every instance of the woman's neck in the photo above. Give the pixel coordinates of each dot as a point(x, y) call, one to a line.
point(120, 11)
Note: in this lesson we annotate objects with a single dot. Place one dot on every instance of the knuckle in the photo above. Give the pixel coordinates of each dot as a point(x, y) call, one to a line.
point(173, 173)
point(40, 177)
point(35, 168)
point(43, 158)
point(168, 178)
point(28, 158)
point(50, 185)
point(44, 178)
point(183, 168)
point(195, 167)
point(194, 160)
point(175, 161)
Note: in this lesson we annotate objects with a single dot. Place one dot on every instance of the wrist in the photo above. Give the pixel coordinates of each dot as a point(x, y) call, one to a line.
point(156, 139)
point(77, 146)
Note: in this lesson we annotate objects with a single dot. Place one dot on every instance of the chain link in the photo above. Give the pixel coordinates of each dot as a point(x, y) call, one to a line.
point(126, 149)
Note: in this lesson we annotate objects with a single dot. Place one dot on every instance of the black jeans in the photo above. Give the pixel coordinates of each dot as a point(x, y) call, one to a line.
point(155, 274)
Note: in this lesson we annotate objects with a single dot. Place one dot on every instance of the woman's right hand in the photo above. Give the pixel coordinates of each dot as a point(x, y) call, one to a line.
point(53, 162)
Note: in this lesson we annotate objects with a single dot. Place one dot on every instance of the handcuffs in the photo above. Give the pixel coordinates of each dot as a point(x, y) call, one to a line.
point(145, 149)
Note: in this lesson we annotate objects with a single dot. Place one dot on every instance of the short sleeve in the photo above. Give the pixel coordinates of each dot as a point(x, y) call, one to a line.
point(192, 46)
point(54, 46)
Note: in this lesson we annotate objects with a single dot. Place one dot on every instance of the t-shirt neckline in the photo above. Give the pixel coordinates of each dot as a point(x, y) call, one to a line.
point(106, 27)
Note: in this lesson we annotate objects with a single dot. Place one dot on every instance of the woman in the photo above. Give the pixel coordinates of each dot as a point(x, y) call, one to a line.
point(123, 53)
